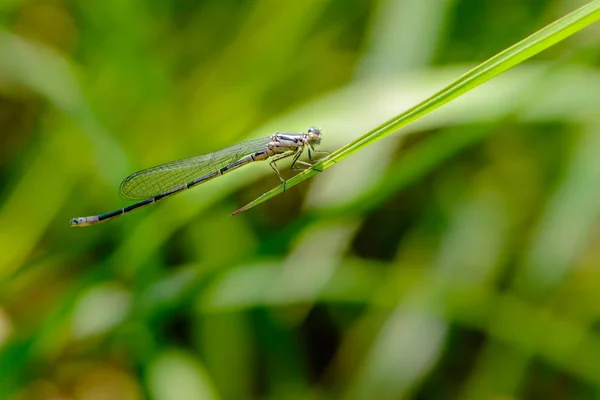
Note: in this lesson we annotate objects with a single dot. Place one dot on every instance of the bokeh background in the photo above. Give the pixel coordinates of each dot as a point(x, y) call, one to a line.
point(457, 259)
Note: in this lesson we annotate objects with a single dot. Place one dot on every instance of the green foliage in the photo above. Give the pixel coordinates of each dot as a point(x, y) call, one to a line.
point(454, 259)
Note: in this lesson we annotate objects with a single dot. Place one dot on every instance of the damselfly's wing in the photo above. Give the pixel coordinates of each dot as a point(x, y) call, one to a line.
point(166, 177)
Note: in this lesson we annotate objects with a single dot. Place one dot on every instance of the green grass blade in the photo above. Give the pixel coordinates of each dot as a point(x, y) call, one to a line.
point(514, 55)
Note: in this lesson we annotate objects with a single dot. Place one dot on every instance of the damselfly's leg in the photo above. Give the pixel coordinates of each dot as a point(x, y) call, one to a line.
point(296, 160)
point(274, 166)
point(328, 153)
point(294, 168)
point(312, 150)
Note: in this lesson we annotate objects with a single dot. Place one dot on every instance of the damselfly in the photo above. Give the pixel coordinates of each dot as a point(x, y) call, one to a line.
point(156, 183)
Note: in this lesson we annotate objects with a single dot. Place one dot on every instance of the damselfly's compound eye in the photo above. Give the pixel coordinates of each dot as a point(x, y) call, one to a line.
point(314, 135)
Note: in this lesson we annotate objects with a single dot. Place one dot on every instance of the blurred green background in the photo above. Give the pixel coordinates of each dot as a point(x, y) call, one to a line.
point(457, 259)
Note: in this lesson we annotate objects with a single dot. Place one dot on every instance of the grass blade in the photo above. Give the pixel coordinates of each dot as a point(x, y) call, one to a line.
point(514, 55)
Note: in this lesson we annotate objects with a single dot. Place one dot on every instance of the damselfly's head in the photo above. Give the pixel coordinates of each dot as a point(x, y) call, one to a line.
point(314, 136)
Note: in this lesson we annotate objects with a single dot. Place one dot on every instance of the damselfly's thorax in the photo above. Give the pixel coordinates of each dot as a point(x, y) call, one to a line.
point(282, 142)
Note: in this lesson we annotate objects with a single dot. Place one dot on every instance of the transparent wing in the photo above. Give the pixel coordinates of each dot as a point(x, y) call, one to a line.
point(166, 177)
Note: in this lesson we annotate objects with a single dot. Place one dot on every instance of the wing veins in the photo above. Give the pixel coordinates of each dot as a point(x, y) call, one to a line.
point(165, 177)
